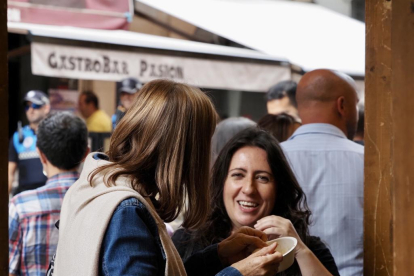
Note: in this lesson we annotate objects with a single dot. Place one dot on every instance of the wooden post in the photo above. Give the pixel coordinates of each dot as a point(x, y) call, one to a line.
point(378, 257)
point(389, 137)
point(403, 135)
point(4, 118)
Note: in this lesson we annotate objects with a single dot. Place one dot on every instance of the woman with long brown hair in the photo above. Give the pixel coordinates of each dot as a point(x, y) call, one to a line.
point(112, 219)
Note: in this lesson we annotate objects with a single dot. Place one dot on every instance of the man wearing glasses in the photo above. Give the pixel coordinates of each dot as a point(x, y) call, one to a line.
point(22, 148)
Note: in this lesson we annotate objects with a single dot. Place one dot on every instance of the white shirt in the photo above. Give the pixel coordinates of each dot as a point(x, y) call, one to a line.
point(330, 169)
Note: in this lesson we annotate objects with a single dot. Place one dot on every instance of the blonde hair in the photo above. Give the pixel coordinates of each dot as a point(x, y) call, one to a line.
point(163, 145)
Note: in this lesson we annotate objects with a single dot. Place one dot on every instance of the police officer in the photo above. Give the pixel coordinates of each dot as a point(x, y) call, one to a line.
point(22, 148)
point(127, 92)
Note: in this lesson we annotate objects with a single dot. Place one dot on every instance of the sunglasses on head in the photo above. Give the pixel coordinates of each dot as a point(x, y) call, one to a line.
point(32, 105)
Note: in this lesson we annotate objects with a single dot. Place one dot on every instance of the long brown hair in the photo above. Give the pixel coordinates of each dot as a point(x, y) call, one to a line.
point(163, 146)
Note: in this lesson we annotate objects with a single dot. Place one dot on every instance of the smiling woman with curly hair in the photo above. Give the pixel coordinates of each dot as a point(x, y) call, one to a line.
point(253, 185)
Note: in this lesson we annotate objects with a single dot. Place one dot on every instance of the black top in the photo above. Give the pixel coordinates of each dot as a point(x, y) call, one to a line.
point(187, 247)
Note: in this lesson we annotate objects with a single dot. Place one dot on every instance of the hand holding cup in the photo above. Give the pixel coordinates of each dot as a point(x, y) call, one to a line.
point(239, 245)
point(277, 227)
point(264, 261)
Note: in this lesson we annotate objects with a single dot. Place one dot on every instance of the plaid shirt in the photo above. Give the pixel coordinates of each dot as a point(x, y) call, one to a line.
point(33, 236)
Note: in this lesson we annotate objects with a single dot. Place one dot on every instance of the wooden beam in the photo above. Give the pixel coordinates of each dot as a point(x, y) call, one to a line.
point(402, 86)
point(389, 206)
point(4, 118)
point(378, 258)
point(23, 50)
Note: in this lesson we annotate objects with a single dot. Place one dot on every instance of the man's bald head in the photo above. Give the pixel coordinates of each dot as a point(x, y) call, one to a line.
point(324, 85)
point(326, 96)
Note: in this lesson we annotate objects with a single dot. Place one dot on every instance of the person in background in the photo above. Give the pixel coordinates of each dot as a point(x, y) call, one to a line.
point(281, 126)
point(62, 145)
point(96, 119)
point(22, 148)
point(253, 186)
point(127, 93)
point(359, 135)
point(281, 98)
point(329, 165)
point(112, 219)
point(225, 130)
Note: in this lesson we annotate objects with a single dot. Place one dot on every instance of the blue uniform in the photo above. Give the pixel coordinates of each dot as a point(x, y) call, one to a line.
point(28, 162)
point(119, 114)
point(114, 121)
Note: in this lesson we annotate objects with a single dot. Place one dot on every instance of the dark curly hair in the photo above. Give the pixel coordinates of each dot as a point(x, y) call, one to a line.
point(290, 199)
point(63, 138)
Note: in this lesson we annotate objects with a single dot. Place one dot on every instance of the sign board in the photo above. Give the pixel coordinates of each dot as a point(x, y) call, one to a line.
point(112, 65)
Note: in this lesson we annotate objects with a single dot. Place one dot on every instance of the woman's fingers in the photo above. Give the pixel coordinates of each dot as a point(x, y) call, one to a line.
point(274, 233)
point(270, 260)
point(239, 244)
point(264, 262)
point(252, 232)
point(244, 240)
point(270, 221)
point(271, 263)
point(274, 258)
point(273, 229)
point(266, 250)
point(276, 226)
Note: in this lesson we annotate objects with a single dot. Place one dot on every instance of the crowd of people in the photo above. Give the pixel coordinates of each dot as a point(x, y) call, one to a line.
point(228, 186)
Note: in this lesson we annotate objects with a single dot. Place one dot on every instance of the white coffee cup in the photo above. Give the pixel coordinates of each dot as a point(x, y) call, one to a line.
point(285, 246)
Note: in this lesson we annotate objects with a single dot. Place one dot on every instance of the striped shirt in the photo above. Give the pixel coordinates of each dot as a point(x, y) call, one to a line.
point(33, 236)
point(330, 169)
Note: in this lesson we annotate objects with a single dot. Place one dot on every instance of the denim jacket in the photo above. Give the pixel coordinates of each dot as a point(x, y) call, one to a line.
point(131, 246)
